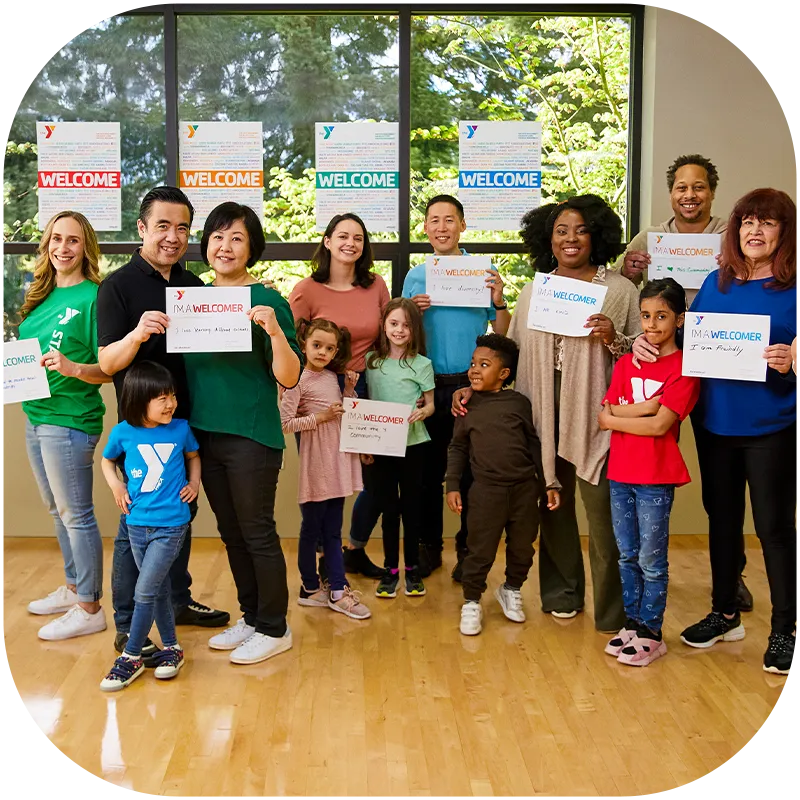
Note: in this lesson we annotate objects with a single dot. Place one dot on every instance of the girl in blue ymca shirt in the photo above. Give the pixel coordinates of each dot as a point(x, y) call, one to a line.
point(157, 450)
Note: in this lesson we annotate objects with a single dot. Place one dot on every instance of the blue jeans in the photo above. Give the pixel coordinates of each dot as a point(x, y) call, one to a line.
point(640, 514)
point(154, 551)
point(62, 460)
point(124, 572)
point(322, 522)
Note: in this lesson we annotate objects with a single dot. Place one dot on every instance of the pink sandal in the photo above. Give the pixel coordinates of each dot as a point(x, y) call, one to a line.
point(614, 647)
point(640, 652)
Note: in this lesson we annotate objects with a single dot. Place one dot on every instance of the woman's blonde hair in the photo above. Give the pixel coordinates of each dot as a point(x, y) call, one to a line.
point(44, 273)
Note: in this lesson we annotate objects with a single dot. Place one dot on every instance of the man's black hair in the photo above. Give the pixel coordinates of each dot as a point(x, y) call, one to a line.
point(164, 194)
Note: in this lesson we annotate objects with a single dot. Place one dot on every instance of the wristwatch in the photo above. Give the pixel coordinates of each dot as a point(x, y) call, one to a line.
point(499, 308)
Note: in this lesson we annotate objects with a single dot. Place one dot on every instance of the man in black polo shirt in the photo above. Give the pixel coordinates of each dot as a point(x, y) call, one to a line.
point(131, 325)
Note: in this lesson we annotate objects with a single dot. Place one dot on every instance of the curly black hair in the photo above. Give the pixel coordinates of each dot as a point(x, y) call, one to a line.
point(698, 160)
point(604, 225)
point(506, 349)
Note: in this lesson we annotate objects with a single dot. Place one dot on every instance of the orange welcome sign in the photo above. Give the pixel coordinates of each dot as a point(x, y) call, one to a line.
point(221, 178)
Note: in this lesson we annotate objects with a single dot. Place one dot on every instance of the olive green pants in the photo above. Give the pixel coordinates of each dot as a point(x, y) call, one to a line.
point(561, 574)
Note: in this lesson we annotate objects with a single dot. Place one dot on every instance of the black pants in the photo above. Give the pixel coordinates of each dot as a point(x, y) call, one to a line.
point(440, 429)
point(240, 477)
point(767, 465)
point(493, 509)
point(700, 442)
point(397, 484)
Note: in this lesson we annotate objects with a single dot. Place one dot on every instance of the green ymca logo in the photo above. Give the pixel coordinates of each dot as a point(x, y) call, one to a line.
point(328, 131)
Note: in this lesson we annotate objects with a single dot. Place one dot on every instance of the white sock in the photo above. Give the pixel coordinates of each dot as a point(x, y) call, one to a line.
point(337, 594)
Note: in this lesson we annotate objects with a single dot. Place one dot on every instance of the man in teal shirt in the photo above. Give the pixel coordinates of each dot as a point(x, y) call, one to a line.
point(450, 333)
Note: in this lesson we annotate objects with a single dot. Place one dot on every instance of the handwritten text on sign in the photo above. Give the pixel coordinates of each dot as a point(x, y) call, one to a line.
point(458, 281)
point(687, 257)
point(562, 305)
point(23, 378)
point(375, 427)
point(209, 319)
point(726, 346)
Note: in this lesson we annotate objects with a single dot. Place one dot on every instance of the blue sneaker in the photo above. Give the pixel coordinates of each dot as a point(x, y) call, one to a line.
point(124, 672)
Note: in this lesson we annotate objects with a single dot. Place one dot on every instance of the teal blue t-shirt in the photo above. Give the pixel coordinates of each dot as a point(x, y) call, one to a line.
point(450, 332)
point(396, 381)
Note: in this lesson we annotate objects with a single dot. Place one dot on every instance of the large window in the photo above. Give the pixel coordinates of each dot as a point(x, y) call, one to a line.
point(574, 73)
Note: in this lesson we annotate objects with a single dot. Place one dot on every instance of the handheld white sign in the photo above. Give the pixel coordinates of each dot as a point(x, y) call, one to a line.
point(562, 305)
point(726, 346)
point(23, 378)
point(209, 319)
point(458, 281)
point(374, 427)
point(687, 257)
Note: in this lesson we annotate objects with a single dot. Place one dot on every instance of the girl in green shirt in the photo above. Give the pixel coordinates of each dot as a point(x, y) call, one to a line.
point(62, 430)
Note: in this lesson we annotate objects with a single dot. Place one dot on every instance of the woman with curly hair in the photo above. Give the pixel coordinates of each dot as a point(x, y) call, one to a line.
point(62, 430)
point(566, 378)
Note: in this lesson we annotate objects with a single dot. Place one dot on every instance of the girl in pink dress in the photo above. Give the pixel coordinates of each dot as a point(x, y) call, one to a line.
point(314, 408)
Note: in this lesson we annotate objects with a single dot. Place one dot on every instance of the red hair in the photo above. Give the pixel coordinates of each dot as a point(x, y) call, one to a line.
point(762, 204)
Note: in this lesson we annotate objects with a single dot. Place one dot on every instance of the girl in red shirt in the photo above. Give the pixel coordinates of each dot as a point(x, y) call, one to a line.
point(644, 408)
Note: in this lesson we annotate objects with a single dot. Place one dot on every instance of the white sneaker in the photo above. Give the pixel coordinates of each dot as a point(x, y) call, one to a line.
point(57, 602)
point(260, 647)
point(471, 618)
point(76, 622)
point(232, 637)
point(511, 602)
point(564, 614)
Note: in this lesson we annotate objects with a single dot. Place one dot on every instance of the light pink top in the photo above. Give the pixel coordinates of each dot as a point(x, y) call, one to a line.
point(358, 309)
point(324, 471)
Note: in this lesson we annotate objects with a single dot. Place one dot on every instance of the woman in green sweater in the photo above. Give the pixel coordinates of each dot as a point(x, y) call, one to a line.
point(236, 419)
point(62, 430)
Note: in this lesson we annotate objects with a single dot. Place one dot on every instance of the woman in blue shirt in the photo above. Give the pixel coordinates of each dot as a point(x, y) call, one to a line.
point(748, 428)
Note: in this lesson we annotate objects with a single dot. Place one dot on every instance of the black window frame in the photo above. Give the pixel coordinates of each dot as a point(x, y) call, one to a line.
point(398, 253)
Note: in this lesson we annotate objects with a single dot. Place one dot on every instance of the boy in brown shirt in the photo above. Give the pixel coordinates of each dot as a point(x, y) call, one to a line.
point(499, 442)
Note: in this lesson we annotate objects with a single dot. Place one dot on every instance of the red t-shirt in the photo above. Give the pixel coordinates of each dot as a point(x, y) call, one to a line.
point(651, 459)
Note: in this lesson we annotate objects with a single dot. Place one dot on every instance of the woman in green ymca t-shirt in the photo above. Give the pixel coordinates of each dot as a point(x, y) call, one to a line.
point(62, 430)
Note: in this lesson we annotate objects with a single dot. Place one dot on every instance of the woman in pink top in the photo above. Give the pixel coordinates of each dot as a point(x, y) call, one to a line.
point(343, 289)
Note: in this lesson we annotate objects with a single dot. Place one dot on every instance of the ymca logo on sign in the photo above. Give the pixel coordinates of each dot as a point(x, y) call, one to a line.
point(328, 131)
point(471, 131)
point(69, 314)
point(155, 458)
point(49, 129)
point(192, 130)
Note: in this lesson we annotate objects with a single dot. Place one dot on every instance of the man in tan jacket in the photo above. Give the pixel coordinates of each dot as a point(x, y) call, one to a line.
point(692, 181)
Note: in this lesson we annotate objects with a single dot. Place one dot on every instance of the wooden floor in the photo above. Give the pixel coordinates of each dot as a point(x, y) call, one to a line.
point(401, 704)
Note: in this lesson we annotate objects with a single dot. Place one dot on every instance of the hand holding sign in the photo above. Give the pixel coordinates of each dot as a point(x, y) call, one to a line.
point(150, 323)
point(602, 328)
point(265, 317)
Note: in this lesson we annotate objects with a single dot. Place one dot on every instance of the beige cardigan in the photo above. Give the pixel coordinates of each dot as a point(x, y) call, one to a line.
point(585, 377)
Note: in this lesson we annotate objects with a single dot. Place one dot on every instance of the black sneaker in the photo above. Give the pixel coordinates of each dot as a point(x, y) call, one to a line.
point(203, 616)
point(425, 567)
point(414, 585)
point(778, 657)
point(744, 600)
point(357, 562)
point(387, 587)
point(435, 557)
point(149, 651)
point(712, 629)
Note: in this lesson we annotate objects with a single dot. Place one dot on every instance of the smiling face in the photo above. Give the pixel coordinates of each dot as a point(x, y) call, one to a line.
point(320, 349)
point(443, 227)
point(486, 371)
point(228, 250)
point(165, 234)
point(397, 328)
point(66, 247)
point(346, 243)
point(160, 410)
point(691, 196)
point(659, 321)
point(571, 241)
point(759, 239)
